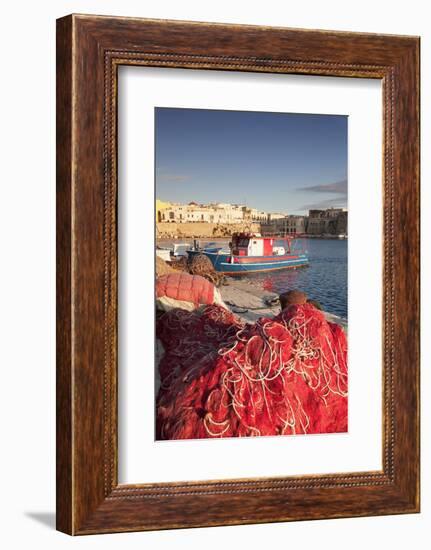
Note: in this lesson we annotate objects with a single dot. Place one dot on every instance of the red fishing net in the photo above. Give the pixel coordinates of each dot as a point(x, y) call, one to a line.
point(280, 376)
point(186, 288)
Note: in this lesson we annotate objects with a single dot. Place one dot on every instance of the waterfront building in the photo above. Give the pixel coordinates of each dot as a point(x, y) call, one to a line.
point(332, 221)
point(221, 213)
point(287, 225)
point(296, 224)
point(160, 207)
point(232, 213)
point(317, 224)
point(341, 226)
point(255, 215)
point(275, 216)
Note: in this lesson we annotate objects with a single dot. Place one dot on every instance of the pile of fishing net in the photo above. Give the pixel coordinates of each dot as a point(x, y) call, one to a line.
point(179, 264)
point(162, 268)
point(199, 264)
point(280, 376)
point(188, 292)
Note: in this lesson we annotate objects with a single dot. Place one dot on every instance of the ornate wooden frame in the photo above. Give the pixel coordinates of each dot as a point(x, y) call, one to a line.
point(89, 51)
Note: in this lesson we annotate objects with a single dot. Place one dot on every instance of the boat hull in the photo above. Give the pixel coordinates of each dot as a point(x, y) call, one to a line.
point(243, 265)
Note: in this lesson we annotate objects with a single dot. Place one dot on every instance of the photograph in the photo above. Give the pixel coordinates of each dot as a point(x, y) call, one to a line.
point(251, 261)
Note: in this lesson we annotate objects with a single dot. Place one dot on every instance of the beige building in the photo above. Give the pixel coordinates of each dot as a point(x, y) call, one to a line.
point(233, 213)
point(255, 215)
point(225, 213)
point(160, 206)
point(222, 213)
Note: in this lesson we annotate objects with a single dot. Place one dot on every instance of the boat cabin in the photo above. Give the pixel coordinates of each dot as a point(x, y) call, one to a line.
point(245, 244)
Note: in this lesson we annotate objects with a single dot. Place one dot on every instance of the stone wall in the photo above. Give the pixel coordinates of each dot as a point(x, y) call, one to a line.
point(202, 230)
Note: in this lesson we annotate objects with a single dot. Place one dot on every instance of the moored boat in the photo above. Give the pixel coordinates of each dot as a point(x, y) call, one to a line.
point(251, 253)
point(163, 253)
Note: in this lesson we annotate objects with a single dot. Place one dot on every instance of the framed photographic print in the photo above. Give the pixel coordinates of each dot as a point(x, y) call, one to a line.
point(237, 274)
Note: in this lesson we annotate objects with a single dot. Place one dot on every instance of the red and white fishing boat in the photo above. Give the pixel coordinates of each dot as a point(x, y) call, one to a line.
point(252, 253)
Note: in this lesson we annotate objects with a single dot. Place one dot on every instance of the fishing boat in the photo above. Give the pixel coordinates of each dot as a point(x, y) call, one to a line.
point(163, 253)
point(177, 250)
point(252, 253)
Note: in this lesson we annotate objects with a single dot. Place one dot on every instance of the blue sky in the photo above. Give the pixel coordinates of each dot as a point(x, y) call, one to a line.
point(277, 162)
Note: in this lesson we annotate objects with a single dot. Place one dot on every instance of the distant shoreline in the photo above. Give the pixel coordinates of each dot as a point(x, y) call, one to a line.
point(207, 230)
point(227, 237)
